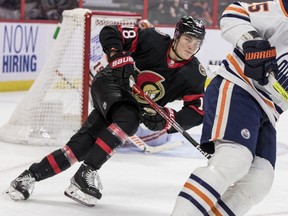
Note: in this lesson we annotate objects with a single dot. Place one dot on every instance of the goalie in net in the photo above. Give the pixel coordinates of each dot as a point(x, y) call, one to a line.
point(169, 71)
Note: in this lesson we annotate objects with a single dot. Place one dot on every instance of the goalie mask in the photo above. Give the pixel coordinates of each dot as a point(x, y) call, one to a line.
point(190, 26)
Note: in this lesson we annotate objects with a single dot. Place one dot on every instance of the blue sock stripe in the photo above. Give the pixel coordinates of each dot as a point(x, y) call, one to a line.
point(193, 201)
point(206, 185)
point(226, 208)
point(285, 4)
point(214, 192)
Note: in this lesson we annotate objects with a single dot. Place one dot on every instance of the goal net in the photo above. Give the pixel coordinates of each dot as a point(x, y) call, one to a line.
point(58, 102)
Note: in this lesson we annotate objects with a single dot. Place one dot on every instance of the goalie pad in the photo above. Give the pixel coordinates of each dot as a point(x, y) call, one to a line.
point(153, 138)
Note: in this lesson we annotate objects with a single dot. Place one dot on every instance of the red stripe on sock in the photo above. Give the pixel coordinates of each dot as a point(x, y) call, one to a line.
point(53, 164)
point(104, 146)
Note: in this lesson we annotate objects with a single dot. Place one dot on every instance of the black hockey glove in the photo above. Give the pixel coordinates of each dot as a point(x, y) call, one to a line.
point(260, 60)
point(154, 121)
point(122, 65)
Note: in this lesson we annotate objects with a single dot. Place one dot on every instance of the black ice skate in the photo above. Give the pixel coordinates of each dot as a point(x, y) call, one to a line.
point(22, 187)
point(82, 188)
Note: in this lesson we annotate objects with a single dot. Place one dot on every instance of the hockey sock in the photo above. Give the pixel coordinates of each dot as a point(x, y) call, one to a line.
point(53, 163)
point(105, 145)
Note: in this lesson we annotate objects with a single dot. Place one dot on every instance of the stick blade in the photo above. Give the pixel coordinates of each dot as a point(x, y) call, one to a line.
point(162, 148)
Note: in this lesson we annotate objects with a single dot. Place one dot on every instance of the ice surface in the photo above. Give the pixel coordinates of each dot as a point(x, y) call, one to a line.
point(135, 184)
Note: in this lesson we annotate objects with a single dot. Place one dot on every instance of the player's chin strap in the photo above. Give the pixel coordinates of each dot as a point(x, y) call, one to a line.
point(174, 50)
point(137, 90)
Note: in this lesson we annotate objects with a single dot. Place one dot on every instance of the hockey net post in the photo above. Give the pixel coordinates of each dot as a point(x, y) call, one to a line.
point(58, 102)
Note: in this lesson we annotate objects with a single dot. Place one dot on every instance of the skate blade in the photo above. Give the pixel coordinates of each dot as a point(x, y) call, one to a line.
point(13, 194)
point(77, 195)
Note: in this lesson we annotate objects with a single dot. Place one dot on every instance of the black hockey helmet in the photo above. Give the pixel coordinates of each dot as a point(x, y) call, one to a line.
point(189, 25)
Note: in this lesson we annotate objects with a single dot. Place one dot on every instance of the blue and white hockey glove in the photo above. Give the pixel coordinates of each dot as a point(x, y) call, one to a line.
point(260, 60)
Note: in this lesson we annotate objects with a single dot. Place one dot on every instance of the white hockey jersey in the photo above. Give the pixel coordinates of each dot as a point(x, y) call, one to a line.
point(270, 20)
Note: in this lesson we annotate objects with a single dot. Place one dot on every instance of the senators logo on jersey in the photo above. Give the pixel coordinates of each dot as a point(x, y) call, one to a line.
point(151, 83)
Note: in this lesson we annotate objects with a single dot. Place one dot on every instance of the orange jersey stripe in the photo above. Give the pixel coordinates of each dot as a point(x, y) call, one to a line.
point(222, 108)
point(238, 10)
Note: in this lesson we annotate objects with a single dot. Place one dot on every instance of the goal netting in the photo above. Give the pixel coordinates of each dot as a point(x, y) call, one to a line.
point(58, 102)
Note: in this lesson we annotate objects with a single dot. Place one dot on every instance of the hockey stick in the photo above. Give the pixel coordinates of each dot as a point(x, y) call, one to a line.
point(61, 75)
point(137, 90)
point(279, 88)
point(138, 142)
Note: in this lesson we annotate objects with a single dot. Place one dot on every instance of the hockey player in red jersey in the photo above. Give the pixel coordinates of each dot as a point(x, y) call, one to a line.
point(242, 104)
point(168, 71)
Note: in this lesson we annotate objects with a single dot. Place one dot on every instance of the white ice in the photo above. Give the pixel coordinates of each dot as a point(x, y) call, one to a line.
point(135, 184)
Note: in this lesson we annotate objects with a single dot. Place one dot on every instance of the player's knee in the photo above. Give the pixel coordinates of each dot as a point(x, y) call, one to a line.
point(230, 162)
point(250, 189)
point(127, 118)
point(80, 144)
point(262, 176)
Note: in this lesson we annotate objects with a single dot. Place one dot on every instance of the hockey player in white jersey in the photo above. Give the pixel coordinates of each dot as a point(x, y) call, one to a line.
point(241, 106)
